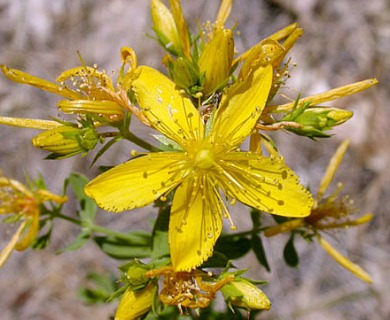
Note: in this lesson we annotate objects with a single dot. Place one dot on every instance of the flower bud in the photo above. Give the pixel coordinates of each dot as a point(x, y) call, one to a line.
point(216, 60)
point(136, 275)
point(185, 74)
point(134, 304)
point(315, 121)
point(242, 293)
point(66, 140)
point(165, 27)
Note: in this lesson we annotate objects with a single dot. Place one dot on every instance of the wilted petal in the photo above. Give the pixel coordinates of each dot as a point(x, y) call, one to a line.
point(195, 223)
point(330, 95)
point(25, 78)
point(334, 163)
point(6, 252)
point(32, 232)
point(137, 182)
point(30, 123)
point(104, 108)
point(346, 263)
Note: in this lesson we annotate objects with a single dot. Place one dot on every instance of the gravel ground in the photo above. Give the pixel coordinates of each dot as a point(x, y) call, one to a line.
point(344, 41)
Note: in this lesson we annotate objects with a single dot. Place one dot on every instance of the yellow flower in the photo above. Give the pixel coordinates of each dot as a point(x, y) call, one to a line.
point(209, 161)
point(328, 213)
point(88, 90)
point(24, 204)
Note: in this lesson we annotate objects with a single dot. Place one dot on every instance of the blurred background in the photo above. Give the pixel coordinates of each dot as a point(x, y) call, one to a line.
point(344, 42)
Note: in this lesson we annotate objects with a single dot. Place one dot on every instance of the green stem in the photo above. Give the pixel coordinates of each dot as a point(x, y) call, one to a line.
point(67, 218)
point(109, 232)
point(245, 233)
point(138, 141)
point(96, 228)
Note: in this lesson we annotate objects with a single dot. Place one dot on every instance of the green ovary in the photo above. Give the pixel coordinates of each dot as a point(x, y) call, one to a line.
point(204, 159)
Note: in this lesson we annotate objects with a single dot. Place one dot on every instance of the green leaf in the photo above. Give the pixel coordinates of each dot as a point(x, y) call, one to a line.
point(136, 246)
point(42, 241)
point(258, 248)
point(160, 234)
point(233, 247)
point(81, 239)
point(105, 148)
point(255, 216)
point(87, 205)
point(160, 245)
point(100, 290)
point(290, 254)
point(167, 144)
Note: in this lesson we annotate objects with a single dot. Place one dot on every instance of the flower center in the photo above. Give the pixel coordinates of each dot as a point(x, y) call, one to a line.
point(204, 159)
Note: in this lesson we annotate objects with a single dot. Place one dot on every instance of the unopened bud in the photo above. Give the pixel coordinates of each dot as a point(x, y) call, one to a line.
point(216, 59)
point(66, 140)
point(136, 275)
point(165, 27)
point(242, 293)
point(134, 304)
point(315, 121)
point(185, 74)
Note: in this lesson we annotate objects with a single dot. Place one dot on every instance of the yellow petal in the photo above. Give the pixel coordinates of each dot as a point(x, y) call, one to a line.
point(346, 263)
point(333, 165)
point(265, 184)
point(284, 33)
point(241, 107)
point(29, 123)
point(137, 182)
point(25, 78)
point(6, 252)
point(195, 223)
point(168, 111)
